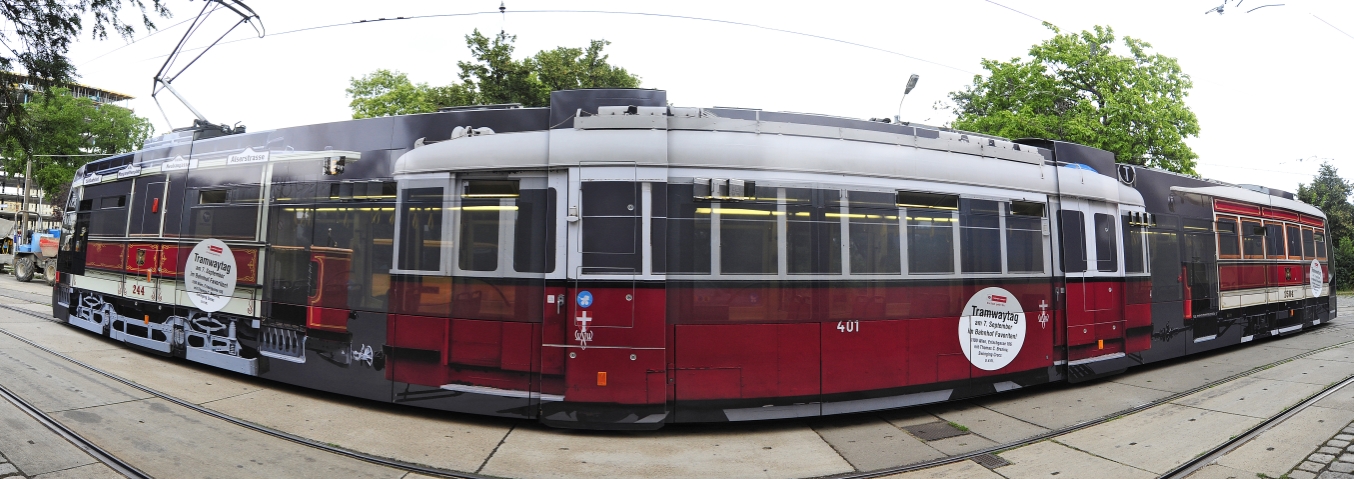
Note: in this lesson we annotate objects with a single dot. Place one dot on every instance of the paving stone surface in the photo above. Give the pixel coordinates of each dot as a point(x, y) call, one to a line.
point(1324, 465)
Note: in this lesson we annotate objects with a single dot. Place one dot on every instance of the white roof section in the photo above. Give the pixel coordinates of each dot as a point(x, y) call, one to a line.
point(1253, 197)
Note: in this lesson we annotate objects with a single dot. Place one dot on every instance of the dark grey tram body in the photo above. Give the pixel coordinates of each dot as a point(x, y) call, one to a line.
point(613, 262)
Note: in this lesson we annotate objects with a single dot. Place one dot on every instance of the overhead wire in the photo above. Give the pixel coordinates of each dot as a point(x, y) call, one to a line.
point(1332, 26)
point(610, 12)
point(128, 44)
point(1018, 11)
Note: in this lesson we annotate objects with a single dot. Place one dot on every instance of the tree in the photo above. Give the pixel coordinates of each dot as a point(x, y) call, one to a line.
point(492, 77)
point(66, 129)
point(36, 39)
point(384, 92)
point(1074, 88)
point(1329, 192)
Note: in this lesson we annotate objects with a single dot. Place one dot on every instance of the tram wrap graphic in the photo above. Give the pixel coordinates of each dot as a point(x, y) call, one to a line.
point(613, 262)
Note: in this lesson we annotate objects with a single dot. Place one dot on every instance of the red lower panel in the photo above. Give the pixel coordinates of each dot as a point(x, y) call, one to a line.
point(609, 375)
point(771, 360)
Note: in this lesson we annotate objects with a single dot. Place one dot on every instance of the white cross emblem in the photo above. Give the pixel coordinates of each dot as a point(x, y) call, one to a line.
point(1043, 314)
point(582, 335)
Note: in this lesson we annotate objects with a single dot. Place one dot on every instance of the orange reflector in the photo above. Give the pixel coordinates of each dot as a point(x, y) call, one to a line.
point(601, 378)
point(1101, 343)
point(148, 319)
point(155, 206)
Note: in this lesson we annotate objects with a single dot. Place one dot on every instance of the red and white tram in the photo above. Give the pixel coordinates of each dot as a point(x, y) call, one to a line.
point(612, 262)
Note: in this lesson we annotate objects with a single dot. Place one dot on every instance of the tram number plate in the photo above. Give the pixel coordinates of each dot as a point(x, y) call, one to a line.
point(139, 290)
point(1287, 294)
point(848, 326)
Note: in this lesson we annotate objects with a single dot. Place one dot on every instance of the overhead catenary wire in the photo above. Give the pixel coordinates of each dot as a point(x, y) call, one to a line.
point(1018, 11)
point(604, 12)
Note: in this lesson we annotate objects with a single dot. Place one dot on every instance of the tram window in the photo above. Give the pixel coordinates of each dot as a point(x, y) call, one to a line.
point(1229, 241)
point(930, 241)
point(421, 229)
point(212, 197)
point(1320, 239)
point(534, 233)
point(611, 227)
point(1072, 224)
point(1308, 244)
point(813, 242)
point(748, 239)
point(1135, 257)
point(113, 202)
point(980, 236)
point(875, 246)
point(1294, 242)
point(1252, 240)
point(687, 232)
point(1274, 243)
point(225, 213)
point(1106, 243)
point(1024, 238)
point(1163, 248)
point(479, 234)
point(910, 199)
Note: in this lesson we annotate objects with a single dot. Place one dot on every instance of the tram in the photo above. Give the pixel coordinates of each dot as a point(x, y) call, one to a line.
point(613, 262)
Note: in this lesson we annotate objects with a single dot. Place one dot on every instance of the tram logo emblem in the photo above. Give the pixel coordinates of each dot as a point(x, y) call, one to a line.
point(582, 335)
point(1043, 314)
point(141, 257)
point(996, 299)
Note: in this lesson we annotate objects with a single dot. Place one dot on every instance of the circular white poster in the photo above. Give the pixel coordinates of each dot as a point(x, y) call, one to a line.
point(992, 328)
point(1314, 277)
point(209, 275)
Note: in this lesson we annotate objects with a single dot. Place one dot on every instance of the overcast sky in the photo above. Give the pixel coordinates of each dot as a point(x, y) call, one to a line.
point(1272, 88)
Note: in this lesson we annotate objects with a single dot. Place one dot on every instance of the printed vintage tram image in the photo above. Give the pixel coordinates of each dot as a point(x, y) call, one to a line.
point(612, 262)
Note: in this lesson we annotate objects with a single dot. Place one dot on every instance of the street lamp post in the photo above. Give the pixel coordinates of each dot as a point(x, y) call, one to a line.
point(911, 83)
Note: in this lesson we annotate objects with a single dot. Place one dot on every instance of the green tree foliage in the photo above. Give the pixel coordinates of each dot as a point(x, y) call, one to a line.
point(492, 77)
point(61, 124)
point(36, 37)
point(1329, 192)
point(1073, 87)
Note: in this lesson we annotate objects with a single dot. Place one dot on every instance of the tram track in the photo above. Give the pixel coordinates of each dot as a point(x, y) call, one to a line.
point(1181, 471)
point(132, 472)
point(94, 451)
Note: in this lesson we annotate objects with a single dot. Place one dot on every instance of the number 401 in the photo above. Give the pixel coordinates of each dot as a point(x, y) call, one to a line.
point(848, 326)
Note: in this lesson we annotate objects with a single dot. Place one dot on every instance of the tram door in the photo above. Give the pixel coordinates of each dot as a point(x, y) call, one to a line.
point(1094, 294)
point(615, 331)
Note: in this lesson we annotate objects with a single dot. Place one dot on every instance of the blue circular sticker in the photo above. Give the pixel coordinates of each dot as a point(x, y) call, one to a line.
point(584, 299)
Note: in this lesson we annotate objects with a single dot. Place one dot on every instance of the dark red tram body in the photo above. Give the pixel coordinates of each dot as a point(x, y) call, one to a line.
point(611, 262)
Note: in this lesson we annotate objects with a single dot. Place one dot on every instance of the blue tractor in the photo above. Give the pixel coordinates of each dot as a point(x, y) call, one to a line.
point(31, 253)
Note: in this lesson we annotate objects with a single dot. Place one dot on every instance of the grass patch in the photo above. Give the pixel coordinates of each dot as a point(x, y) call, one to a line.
point(958, 426)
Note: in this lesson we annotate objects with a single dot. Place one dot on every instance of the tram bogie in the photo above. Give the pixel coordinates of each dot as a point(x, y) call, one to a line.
point(614, 263)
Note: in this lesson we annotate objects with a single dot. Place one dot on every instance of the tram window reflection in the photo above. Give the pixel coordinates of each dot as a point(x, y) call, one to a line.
point(534, 232)
point(230, 213)
point(875, 241)
point(1135, 256)
point(1308, 244)
point(1320, 240)
point(1274, 242)
point(1294, 242)
point(611, 227)
point(1025, 238)
point(1252, 240)
point(687, 232)
point(421, 229)
point(1229, 241)
point(930, 241)
point(480, 224)
point(748, 238)
point(813, 240)
point(980, 236)
point(1106, 243)
point(1073, 227)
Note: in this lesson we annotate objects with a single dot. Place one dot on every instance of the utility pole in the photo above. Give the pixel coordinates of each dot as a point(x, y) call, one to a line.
point(23, 225)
